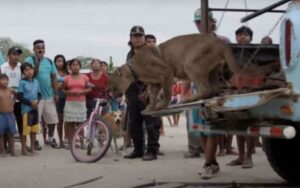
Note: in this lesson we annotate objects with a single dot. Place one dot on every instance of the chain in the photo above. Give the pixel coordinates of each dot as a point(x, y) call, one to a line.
point(246, 8)
point(223, 13)
point(275, 25)
point(269, 33)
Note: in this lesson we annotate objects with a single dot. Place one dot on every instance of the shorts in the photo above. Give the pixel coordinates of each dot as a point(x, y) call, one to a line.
point(114, 106)
point(47, 111)
point(173, 101)
point(7, 124)
point(194, 117)
point(30, 122)
point(75, 111)
point(60, 105)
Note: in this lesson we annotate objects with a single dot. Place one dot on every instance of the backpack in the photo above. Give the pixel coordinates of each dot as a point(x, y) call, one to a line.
point(36, 66)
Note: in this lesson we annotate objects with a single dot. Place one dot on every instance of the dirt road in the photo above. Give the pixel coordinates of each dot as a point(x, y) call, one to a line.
point(55, 168)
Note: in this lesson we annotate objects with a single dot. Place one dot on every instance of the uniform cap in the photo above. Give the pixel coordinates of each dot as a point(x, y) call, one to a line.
point(137, 30)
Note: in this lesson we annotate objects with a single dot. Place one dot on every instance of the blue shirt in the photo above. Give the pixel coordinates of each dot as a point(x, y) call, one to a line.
point(60, 80)
point(1, 58)
point(46, 69)
point(30, 90)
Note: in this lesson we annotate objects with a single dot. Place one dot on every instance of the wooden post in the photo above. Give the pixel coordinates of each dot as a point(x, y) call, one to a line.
point(204, 16)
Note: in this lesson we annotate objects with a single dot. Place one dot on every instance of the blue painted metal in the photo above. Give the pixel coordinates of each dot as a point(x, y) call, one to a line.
point(272, 109)
point(246, 100)
point(292, 71)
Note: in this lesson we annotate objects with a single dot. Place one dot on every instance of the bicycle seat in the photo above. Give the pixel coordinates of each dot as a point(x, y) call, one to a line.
point(103, 103)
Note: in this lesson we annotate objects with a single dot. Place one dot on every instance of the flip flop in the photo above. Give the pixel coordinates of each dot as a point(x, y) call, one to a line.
point(221, 154)
point(247, 163)
point(231, 152)
point(235, 162)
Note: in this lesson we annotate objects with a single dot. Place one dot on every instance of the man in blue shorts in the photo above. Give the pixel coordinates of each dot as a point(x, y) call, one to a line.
point(209, 141)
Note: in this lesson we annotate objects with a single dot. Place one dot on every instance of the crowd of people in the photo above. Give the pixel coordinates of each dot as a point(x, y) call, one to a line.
point(46, 94)
point(54, 94)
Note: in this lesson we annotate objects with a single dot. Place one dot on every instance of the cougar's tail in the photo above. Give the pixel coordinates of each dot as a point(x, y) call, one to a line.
point(233, 65)
point(230, 59)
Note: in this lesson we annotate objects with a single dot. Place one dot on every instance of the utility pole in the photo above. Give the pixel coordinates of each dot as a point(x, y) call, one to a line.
point(204, 16)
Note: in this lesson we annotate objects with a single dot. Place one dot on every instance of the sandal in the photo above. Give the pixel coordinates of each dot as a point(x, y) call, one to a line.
point(230, 152)
point(221, 154)
point(67, 147)
point(235, 162)
point(247, 163)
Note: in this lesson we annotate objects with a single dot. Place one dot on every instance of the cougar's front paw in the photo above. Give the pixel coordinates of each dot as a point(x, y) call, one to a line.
point(161, 105)
point(185, 100)
point(149, 108)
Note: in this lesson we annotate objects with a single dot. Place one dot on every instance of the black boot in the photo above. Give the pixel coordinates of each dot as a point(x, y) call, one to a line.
point(149, 157)
point(134, 155)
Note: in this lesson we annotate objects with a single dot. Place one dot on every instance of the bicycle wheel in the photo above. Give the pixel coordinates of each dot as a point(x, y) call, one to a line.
point(88, 150)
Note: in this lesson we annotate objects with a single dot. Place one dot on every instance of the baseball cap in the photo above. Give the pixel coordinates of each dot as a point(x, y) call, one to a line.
point(14, 50)
point(197, 15)
point(137, 30)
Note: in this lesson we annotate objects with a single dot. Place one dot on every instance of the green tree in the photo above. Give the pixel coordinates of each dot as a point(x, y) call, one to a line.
point(6, 43)
point(85, 61)
point(110, 65)
point(25, 51)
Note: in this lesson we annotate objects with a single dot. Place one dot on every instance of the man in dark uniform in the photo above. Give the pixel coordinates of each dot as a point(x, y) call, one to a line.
point(136, 103)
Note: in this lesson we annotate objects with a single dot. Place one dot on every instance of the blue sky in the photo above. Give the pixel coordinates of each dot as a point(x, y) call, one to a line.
point(100, 28)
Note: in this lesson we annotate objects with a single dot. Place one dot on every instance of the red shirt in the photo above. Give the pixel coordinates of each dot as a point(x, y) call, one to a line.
point(101, 86)
point(176, 89)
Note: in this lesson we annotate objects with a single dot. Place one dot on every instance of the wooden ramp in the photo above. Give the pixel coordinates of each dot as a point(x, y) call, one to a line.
point(175, 108)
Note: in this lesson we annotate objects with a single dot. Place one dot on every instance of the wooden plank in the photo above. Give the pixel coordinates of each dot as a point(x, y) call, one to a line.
point(175, 108)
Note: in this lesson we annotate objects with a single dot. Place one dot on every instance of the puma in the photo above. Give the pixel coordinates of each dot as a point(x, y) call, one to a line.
point(189, 57)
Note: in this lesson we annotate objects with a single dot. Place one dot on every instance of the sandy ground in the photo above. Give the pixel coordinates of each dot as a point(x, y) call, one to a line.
point(55, 168)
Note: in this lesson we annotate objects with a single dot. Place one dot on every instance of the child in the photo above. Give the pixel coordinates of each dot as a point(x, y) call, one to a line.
point(29, 94)
point(62, 71)
point(75, 87)
point(176, 94)
point(246, 144)
point(266, 40)
point(7, 120)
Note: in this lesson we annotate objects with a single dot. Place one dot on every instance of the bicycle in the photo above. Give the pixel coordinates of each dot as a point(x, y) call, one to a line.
point(94, 135)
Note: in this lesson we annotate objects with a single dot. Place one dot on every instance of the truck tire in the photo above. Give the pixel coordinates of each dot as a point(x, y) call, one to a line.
point(284, 157)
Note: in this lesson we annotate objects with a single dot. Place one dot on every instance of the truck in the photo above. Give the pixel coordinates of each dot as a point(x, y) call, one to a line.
point(268, 107)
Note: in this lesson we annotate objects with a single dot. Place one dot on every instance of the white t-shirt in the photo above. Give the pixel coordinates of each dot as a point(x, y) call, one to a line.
point(14, 75)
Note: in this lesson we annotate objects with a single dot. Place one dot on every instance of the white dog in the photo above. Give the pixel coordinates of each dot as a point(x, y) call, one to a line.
point(116, 120)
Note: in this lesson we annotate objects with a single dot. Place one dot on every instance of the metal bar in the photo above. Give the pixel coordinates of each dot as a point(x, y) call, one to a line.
point(264, 10)
point(204, 16)
point(244, 10)
point(282, 131)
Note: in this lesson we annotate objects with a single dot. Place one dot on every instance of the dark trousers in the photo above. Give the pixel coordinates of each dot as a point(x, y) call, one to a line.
point(135, 122)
